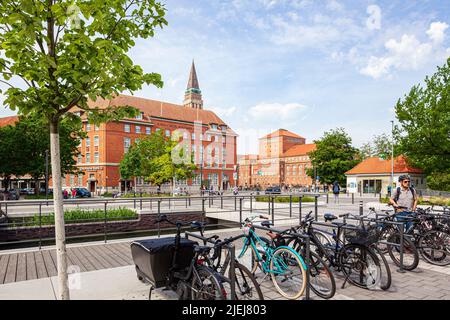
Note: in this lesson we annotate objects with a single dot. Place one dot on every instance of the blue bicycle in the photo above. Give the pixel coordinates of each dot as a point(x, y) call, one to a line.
point(284, 265)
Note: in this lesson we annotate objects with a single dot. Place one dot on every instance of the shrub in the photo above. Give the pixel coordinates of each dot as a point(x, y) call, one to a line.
point(284, 199)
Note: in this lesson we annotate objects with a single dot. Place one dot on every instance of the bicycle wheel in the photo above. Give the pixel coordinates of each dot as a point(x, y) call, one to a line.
point(410, 253)
point(321, 279)
point(246, 286)
point(360, 265)
point(386, 277)
point(434, 247)
point(287, 272)
point(206, 285)
point(257, 263)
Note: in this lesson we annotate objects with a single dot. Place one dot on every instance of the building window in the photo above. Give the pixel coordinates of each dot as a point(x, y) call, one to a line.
point(193, 136)
point(127, 128)
point(88, 126)
point(138, 129)
point(96, 157)
point(88, 157)
point(140, 116)
point(214, 126)
point(167, 133)
point(80, 180)
point(96, 127)
point(208, 137)
point(158, 129)
point(148, 130)
point(80, 158)
point(72, 180)
point(88, 142)
point(96, 141)
point(126, 144)
point(196, 180)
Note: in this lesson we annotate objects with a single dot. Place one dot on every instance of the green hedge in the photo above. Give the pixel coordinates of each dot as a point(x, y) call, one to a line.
point(145, 195)
point(77, 216)
point(37, 196)
point(284, 199)
point(437, 201)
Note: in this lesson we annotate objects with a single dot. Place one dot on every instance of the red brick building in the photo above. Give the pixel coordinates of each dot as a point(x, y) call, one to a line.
point(282, 161)
point(206, 135)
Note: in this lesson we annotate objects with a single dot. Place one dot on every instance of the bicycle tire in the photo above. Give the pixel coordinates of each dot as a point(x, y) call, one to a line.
point(386, 280)
point(436, 241)
point(410, 252)
point(215, 290)
point(241, 286)
point(370, 269)
point(279, 271)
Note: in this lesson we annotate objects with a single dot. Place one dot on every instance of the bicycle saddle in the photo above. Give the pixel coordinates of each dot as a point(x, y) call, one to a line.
point(266, 224)
point(202, 249)
point(329, 217)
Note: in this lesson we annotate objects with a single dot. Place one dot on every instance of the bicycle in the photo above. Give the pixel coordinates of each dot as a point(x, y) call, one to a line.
point(246, 287)
point(355, 259)
point(284, 265)
point(190, 279)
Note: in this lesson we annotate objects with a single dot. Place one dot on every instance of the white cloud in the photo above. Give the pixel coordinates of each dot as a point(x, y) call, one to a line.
point(223, 112)
point(334, 5)
point(408, 53)
point(374, 20)
point(436, 32)
point(276, 111)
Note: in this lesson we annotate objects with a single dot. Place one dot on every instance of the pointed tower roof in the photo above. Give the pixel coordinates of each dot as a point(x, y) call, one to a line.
point(193, 81)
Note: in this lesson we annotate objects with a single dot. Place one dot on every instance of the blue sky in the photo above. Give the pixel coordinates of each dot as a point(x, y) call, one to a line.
point(306, 66)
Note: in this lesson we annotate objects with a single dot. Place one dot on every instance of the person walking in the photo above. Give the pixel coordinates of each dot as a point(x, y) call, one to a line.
point(74, 193)
point(336, 190)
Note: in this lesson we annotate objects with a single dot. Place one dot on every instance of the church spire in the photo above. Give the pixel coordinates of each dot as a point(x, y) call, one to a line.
point(193, 94)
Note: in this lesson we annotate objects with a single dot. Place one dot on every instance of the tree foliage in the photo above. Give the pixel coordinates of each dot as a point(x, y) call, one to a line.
point(334, 155)
point(424, 127)
point(379, 146)
point(153, 159)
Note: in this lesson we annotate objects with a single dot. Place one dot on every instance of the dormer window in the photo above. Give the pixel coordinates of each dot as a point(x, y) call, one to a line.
point(214, 126)
point(223, 127)
point(140, 116)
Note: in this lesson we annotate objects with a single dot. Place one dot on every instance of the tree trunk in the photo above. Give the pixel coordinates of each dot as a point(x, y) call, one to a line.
point(60, 234)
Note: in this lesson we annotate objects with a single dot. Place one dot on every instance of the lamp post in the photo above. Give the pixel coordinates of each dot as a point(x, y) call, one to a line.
point(392, 154)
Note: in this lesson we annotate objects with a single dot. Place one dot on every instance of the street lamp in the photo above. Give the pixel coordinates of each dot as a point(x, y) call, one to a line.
point(392, 154)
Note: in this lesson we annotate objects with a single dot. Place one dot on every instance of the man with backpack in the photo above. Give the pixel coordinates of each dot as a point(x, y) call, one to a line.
point(404, 199)
point(336, 190)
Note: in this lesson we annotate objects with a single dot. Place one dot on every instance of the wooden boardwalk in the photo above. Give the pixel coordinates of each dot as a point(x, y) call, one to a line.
point(21, 266)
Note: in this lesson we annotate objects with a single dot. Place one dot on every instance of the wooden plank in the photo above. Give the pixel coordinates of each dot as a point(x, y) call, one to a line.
point(31, 266)
point(75, 260)
point(49, 264)
point(110, 263)
point(114, 253)
point(4, 259)
point(125, 253)
point(12, 268)
point(125, 248)
point(87, 264)
point(21, 273)
point(41, 269)
point(96, 262)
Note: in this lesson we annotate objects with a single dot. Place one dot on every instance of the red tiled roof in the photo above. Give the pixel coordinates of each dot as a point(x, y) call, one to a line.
point(299, 150)
point(376, 165)
point(8, 120)
point(161, 109)
point(282, 132)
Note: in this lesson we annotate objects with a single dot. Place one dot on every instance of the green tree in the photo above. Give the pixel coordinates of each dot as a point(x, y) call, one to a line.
point(66, 52)
point(12, 155)
point(379, 146)
point(334, 155)
point(424, 127)
point(157, 159)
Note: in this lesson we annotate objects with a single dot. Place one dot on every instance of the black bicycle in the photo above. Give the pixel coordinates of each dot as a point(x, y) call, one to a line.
point(175, 263)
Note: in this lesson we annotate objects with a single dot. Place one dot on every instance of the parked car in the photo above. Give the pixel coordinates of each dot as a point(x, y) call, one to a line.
point(273, 190)
point(82, 193)
point(179, 192)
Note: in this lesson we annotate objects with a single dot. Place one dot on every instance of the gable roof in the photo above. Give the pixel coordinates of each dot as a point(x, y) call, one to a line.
point(375, 165)
point(160, 109)
point(299, 150)
point(282, 132)
point(8, 120)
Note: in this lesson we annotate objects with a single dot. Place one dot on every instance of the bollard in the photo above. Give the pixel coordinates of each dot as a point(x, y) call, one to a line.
point(251, 205)
point(186, 202)
point(203, 205)
point(235, 209)
point(300, 200)
point(140, 205)
point(273, 211)
point(151, 205)
point(221, 201)
point(290, 206)
point(327, 197)
point(169, 203)
point(380, 196)
point(361, 208)
point(353, 198)
point(240, 212)
point(315, 208)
